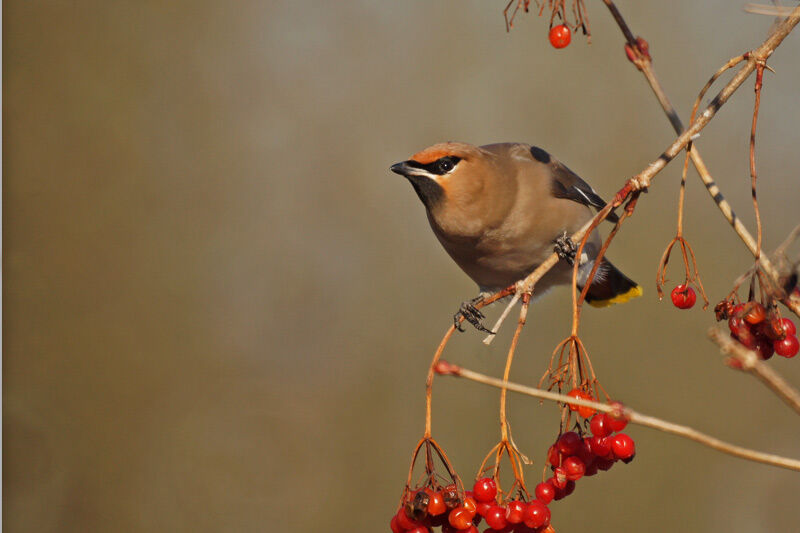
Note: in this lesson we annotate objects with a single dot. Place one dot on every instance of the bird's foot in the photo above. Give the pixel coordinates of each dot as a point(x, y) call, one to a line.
point(566, 248)
point(471, 314)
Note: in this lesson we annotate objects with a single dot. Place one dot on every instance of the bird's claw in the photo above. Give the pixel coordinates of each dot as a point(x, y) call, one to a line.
point(471, 314)
point(566, 248)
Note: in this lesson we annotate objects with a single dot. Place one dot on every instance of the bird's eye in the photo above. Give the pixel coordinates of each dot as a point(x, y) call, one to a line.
point(446, 164)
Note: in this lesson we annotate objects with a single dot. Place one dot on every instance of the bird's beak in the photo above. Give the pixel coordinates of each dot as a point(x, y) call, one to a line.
point(424, 183)
point(403, 168)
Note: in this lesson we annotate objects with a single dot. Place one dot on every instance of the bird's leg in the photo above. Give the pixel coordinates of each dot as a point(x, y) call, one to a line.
point(472, 315)
point(566, 248)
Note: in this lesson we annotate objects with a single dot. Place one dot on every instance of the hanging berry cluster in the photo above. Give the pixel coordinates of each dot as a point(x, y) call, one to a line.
point(759, 329)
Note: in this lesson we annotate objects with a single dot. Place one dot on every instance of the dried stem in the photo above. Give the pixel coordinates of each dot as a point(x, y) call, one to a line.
point(523, 313)
point(438, 354)
point(753, 176)
point(750, 363)
point(636, 418)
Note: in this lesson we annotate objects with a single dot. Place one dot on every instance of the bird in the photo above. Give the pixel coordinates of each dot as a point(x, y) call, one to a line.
point(501, 209)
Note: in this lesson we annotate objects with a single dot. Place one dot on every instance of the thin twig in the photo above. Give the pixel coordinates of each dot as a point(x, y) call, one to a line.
point(635, 418)
point(749, 362)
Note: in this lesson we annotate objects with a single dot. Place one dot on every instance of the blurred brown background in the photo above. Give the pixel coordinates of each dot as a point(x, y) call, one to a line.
point(219, 304)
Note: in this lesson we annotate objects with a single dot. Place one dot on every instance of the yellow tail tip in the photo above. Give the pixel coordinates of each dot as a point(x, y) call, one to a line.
point(619, 298)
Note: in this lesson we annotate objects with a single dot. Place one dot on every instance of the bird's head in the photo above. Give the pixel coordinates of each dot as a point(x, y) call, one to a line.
point(447, 175)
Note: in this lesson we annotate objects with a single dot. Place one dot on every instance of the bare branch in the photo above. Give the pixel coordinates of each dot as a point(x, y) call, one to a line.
point(750, 363)
point(633, 417)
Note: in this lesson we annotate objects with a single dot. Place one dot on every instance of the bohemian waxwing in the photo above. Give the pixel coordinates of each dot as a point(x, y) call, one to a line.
point(500, 209)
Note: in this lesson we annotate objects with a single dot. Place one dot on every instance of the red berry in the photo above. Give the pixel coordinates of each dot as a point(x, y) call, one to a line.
point(436, 504)
point(559, 479)
point(545, 492)
point(601, 446)
point(599, 426)
point(591, 468)
point(560, 36)
point(569, 443)
point(395, 527)
point(737, 325)
point(683, 297)
point(746, 338)
point(496, 517)
point(754, 313)
point(585, 454)
point(484, 490)
point(470, 504)
point(537, 514)
point(404, 521)
point(764, 348)
point(788, 347)
point(788, 327)
point(585, 412)
point(616, 423)
point(460, 518)
point(483, 507)
point(419, 529)
point(553, 457)
point(515, 512)
point(575, 468)
point(604, 463)
point(622, 446)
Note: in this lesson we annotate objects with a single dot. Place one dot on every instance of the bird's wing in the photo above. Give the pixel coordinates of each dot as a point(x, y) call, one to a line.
point(570, 186)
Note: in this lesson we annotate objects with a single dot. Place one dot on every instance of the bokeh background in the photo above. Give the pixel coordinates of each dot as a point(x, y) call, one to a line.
point(219, 304)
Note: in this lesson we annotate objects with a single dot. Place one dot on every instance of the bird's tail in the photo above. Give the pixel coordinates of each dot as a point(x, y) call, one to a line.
point(611, 286)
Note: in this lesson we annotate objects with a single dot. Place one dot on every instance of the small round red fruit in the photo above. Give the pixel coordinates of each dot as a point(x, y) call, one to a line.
point(537, 514)
point(788, 347)
point(484, 490)
point(404, 521)
point(569, 443)
point(764, 348)
point(599, 425)
point(615, 421)
point(560, 36)
point(683, 297)
point(788, 327)
point(601, 446)
point(394, 526)
point(545, 492)
point(575, 468)
point(436, 504)
point(460, 518)
point(496, 517)
point(553, 457)
point(515, 512)
point(754, 313)
point(622, 446)
point(470, 504)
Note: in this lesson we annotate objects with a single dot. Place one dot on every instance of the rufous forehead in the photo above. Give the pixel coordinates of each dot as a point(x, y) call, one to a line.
point(429, 155)
point(437, 151)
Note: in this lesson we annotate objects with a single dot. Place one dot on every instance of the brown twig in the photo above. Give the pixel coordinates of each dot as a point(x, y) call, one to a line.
point(635, 418)
point(753, 175)
point(750, 363)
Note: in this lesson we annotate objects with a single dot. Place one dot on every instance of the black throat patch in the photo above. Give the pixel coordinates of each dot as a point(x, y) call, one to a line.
point(430, 192)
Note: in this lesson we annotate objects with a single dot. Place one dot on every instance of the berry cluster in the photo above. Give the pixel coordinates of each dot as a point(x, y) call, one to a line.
point(573, 457)
point(760, 330)
point(428, 508)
